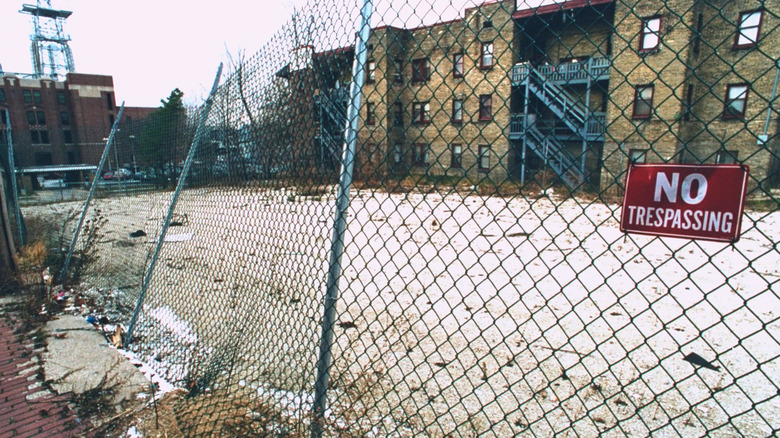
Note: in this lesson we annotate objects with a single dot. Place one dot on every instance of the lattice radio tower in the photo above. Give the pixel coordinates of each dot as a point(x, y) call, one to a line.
point(51, 55)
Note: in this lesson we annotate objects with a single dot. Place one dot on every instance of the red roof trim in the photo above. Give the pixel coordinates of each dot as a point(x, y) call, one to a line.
point(557, 7)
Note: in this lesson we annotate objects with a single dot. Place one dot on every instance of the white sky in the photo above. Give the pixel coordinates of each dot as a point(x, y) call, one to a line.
point(151, 47)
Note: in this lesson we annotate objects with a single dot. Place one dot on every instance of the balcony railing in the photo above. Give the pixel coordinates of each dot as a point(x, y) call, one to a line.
point(595, 126)
point(593, 68)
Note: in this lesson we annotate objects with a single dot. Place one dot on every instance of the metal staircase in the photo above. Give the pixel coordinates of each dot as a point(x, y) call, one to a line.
point(555, 155)
point(568, 109)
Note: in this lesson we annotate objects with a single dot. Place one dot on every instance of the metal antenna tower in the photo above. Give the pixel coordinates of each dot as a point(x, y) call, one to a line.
point(51, 55)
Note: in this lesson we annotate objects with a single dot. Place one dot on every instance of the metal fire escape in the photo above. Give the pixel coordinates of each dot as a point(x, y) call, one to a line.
point(576, 118)
point(50, 53)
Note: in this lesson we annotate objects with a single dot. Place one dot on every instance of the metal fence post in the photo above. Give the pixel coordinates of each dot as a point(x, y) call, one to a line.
point(103, 158)
point(12, 170)
point(179, 185)
point(340, 221)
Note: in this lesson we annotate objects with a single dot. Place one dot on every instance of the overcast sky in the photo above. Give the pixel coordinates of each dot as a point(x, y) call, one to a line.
point(151, 47)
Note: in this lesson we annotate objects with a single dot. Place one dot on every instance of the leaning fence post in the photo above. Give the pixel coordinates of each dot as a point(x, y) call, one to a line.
point(340, 222)
point(179, 185)
point(12, 171)
point(103, 158)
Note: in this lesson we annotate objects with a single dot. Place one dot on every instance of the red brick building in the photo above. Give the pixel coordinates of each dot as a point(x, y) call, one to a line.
point(59, 122)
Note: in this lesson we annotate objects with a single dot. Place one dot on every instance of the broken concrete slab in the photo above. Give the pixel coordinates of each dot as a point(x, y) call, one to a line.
point(83, 360)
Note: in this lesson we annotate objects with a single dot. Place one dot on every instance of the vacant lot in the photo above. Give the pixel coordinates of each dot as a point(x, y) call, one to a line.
point(457, 312)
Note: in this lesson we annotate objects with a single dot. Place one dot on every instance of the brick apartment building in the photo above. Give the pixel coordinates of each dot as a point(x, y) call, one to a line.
point(59, 122)
point(579, 88)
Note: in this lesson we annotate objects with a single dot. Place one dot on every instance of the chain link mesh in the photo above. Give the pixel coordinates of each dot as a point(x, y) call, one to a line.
point(485, 287)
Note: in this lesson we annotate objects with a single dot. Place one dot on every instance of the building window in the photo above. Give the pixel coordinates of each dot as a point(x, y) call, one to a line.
point(736, 101)
point(637, 156)
point(420, 154)
point(41, 117)
point(64, 118)
point(421, 70)
point(457, 65)
point(111, 119)
point(35, 137)
point(30, 117)
point(37, 96)
point(67, 136)
point(726, 157)
point(421, 112)
point(697, 35)
point(370, 71)
point(650, 38)
point(110, 101)
point(643, 102)
point(748, 31)
point(457, 110)
point(398, 114)
point(2, 94)
point(688, 109)
point(27, 94)
point(486, 57)
point(483, 161)
point(3, 120)
point(398, 153)
point(370, 116)
point(44, 137)
point(399, 71)
point(456, 156)
point(486, 107)
point(61, 97)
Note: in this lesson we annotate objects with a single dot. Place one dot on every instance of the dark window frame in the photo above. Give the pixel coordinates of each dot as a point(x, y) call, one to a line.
point(741, 29)
point(727, 101)
point(637, 155)
point(2, 94)
point(483, 55)
point(421, 113)
point(398, 114)
point(370, 113)
point(370, 71)
point(420, 155)
point(37, 97)
point(64, 118)
point(27, 96)
point(458, 65)
point(456, 117)
point(399, 71)
point(31, 120)
point(40, 117)
point(726, 156)
point(421, 70)
point(67, 136)
point(456, 156)
point(485, 107)
point(483, 153)
point(645, 32)
point(35, 136)
point(61, 98)
point(639, 100)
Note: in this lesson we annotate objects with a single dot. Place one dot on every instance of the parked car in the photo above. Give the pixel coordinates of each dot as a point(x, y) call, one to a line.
point(52, 181)
point(118, 174)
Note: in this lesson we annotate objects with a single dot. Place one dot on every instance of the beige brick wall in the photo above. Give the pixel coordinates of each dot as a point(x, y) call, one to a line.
point(439, 43)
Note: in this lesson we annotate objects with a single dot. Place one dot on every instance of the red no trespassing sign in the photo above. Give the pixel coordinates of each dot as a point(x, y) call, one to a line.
point(688, 201)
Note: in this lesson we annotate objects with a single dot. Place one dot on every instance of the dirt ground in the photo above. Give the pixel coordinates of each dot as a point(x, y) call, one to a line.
point(457, 313)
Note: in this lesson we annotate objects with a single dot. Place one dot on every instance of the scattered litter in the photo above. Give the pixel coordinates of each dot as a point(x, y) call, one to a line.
point(119, 337)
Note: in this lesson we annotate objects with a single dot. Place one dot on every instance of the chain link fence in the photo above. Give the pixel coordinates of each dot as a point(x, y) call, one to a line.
point(409, 226)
